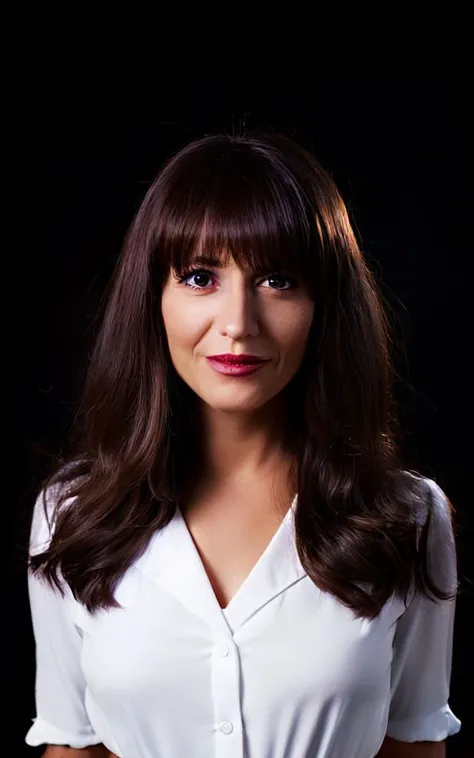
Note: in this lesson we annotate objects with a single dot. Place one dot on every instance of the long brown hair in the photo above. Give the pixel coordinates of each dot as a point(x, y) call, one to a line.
point(268, 203)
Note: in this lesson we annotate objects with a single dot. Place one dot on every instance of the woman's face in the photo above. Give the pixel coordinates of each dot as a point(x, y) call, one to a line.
point(218, 313)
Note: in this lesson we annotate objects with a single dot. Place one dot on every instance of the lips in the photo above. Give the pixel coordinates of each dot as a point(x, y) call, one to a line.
point(229, 359)
point(236, 365)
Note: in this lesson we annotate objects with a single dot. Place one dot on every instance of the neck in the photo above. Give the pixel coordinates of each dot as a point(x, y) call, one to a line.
point(237, 446)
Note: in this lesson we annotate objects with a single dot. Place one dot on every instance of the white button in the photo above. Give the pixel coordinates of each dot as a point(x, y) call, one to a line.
point(224, 651)
point(226, 727)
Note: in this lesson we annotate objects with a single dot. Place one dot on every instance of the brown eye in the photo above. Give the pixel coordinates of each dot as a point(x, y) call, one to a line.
point(279, 282)
point(199, 279)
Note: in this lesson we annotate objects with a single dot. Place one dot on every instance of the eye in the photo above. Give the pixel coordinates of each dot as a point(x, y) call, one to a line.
point(199, 279)
point(279, 282)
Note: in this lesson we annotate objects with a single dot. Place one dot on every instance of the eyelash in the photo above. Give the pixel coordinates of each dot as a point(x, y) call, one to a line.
point(194, 271)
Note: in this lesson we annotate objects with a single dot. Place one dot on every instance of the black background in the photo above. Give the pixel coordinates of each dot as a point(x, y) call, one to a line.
point(92, 105)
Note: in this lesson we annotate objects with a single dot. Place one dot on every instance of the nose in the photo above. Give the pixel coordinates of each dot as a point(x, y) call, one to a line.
point(238, 316)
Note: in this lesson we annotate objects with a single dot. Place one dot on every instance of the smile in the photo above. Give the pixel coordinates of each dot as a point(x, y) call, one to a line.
point(236, 365)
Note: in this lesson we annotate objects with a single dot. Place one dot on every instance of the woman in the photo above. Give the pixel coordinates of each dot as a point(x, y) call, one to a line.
point(235, 563)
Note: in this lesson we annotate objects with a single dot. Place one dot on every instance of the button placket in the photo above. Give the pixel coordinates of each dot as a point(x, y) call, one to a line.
point(226, 700)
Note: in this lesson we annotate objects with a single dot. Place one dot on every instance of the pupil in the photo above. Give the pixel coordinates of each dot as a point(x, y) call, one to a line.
point(201, 279)
point(277, 280)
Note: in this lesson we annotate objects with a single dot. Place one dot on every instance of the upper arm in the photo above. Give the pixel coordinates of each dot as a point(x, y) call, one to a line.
point(395, 749)
point(422, 646)
point(60, 751)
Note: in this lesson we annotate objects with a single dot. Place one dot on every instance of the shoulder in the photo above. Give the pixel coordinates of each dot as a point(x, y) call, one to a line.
point(44, 516)
point(435, 518)
point(430, 501)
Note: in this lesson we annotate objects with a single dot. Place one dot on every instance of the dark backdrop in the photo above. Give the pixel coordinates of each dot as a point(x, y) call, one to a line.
point(92, 106)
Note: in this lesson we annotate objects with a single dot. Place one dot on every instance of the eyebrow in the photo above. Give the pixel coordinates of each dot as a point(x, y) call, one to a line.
point(208, 260)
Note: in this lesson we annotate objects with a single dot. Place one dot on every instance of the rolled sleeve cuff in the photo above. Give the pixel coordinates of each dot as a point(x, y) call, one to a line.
point(42, 733)
point(434, 727)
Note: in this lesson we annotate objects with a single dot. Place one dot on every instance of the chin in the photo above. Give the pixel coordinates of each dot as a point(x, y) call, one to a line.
point(239, 399)
point(230, 402)
point(233, 407)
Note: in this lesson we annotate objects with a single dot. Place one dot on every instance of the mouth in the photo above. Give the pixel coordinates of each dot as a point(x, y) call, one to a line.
point(236, 365)
point(243, 359)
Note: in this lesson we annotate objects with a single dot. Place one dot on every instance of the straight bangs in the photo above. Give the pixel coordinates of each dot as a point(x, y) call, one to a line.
point(244, 204)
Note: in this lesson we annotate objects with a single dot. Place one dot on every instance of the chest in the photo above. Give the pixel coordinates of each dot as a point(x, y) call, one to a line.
point(281, 651)
point(231, 546)
point(300, 647)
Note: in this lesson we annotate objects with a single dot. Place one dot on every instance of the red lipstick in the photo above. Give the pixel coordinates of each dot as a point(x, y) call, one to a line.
point(236, 365)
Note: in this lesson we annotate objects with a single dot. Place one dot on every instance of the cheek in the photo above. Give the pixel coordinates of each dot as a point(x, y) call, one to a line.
point(184, 325)
point(291, 329)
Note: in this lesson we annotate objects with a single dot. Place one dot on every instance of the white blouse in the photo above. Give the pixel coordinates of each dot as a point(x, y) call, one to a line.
point(285, 671)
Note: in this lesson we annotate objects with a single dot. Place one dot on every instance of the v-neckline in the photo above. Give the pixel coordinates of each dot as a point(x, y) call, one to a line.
point(172, 562)
point(250, 577)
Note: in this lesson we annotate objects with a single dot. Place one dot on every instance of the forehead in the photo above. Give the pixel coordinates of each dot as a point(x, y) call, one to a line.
point(248, 255)
point(224, 259)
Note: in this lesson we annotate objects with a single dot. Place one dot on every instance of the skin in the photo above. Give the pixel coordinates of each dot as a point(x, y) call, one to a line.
point(224, 310)
point(60, 751)
point(395, 749)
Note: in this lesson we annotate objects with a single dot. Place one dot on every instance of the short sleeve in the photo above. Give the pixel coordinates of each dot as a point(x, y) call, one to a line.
point(423, 643)
point(61, 717)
